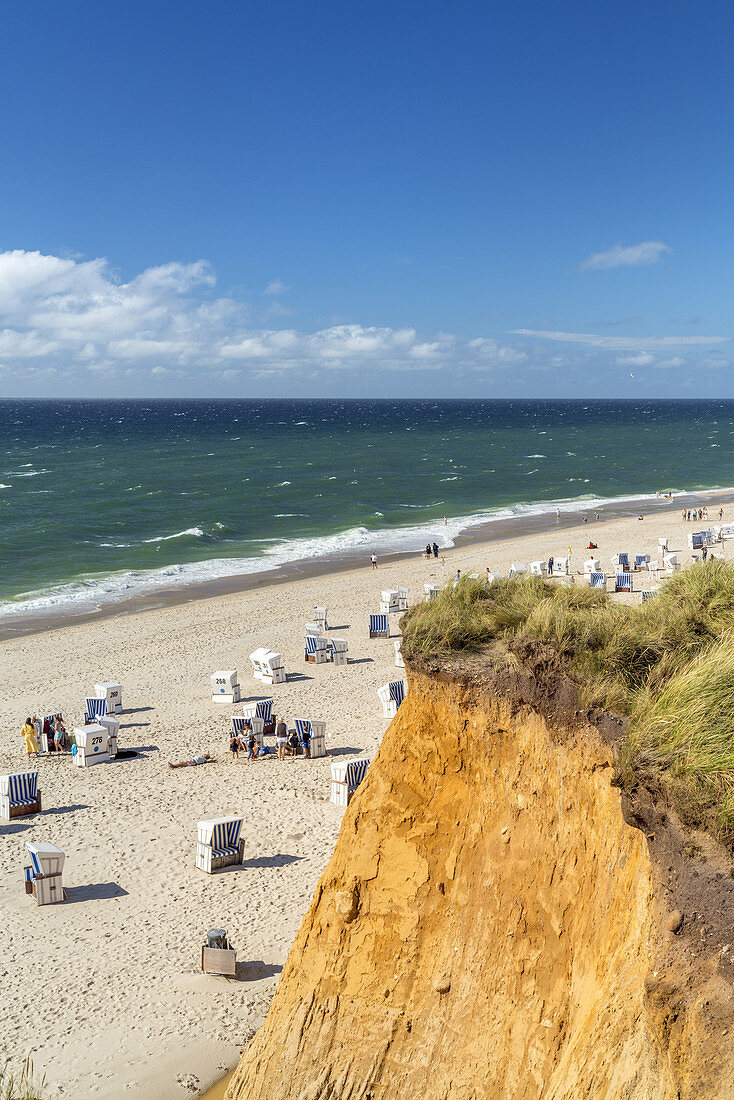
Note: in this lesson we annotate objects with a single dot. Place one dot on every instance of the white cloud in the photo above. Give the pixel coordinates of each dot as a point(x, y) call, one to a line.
point(276, 286)
point(622, 343)
point(641, 360)
point(635, 255)
point(77, 316)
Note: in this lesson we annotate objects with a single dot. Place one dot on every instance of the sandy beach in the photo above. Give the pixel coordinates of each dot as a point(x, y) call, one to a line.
point(105, 991)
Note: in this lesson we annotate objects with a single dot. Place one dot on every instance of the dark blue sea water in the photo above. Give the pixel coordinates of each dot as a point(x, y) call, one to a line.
point(100, 500)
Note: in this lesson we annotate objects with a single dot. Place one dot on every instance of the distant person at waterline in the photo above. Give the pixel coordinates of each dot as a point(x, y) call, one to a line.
point(373, 559)
point(435, 549)
point(428, 549)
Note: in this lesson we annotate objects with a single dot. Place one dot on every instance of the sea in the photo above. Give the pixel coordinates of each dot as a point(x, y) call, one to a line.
point(101, 501)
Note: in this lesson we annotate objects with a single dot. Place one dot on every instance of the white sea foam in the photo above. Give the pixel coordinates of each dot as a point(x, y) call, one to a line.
point(197, 531)
point(97, 591)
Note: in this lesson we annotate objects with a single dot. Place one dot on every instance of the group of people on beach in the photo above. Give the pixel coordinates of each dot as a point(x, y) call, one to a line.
point(698, 514)
point(33, 727)
point(287, 743)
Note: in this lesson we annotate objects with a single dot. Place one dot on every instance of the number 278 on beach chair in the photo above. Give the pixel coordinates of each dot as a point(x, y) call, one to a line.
point(379, 626)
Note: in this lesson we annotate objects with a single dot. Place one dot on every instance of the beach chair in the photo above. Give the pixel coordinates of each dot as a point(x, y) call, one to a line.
point(217, 954)
point(19, 795)
point(92, 745)
point(518, 568)
point(48, 723)
point(592, 565)
point(225, 686)
point(499, 576)
point(402, 592)
point(94, 709)
point(561, 567)
point(671, 563)
point(649, 595)
point(430, 591)
point(389, 601)
point(319, 616)
point(663, 545)
point(272, 668)
point(696, 540)
point(379, 627)
point(43, 877)
point(597, 580)
point(538, 568)
point(346, 776)
point(623, 582)
point(641, 561)
point(339, 649)
point(391, 696)
point(316, 731)
point(262, 709)
point(219, 844)
point(317, 650)
point(112, 693)
point(399, 662)
point(243, 727)
point(112, 725)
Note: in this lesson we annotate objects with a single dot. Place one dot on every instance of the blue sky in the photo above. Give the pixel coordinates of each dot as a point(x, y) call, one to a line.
point(404, 199)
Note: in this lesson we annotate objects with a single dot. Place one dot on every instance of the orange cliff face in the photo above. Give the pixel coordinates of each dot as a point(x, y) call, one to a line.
point(490, 925)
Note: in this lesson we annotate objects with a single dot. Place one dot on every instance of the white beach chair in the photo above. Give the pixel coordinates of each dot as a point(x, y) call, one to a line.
point(430, 591)
point(112, 694)
point(92, 745)
point(273, 669)
point(19, 795)
point(518, 568)
point(43, 877)
point(592, 565)
point(219, 844)
point(538, 568)
point(225, 686)
point(663, 545)
point(391, 696)
point(389, 601)
point(319, 616)
point(339, 650)
point(346, 776)
point(112, 725)
point(620, 562)
point(399, 662)
point(561, 567)
point(402, 592)
point(671, 563)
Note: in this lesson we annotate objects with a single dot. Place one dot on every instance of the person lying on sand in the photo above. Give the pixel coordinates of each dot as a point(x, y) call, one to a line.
point(206, 759)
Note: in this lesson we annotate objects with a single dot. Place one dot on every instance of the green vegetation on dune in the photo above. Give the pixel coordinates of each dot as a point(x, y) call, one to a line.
point(22, 1085)
point(667, 664)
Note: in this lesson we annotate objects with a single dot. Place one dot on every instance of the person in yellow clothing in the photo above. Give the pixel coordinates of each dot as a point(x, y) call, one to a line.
point(28, 733)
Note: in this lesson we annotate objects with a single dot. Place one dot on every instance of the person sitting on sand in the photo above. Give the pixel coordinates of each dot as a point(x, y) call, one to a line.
point(193, 762)
point(592, 546)
point(28, 733)
point(281, 738)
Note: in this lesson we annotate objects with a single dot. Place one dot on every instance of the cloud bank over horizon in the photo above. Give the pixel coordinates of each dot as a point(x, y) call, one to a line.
point(74, 326)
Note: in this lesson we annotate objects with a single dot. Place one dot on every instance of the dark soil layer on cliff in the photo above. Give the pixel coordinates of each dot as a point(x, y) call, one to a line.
point(667, 666)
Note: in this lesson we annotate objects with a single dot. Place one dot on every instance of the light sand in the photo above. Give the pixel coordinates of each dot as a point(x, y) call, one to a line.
point(104, 991)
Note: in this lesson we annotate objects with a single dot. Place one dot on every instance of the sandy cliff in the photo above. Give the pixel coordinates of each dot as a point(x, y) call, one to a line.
point(494, 920)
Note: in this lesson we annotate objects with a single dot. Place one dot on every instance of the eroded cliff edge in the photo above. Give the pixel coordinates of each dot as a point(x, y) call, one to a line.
point(493, 922)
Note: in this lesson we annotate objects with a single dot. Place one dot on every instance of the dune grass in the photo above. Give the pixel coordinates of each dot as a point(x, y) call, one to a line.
point(22, 1085)
point(667, 664)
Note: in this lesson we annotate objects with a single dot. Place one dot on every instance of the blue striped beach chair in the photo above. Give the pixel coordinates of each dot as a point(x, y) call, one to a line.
point(264, 710)
point(311, 641)
point(345, 778)
point(379, 626)
point(19, 795)
point(95, 709)
point(304, 730)
point(43, 878)
point(596, 580)
point(623, 582)
point(698, 538)
point(356, 771)
point(641, 560)
point(624, 560)
point(243, 727)
point(648, 595)
point(397, 692)
point(219, 843)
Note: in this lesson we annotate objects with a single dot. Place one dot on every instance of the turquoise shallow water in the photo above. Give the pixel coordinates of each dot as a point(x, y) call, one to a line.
point(102, 500)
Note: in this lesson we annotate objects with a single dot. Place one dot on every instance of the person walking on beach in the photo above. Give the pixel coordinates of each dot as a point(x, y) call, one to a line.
point(684, 515)
point(721, 513)
point(373, 559)
point(428, 549)
point(281, 738)
point(704, 552)
point(435, 549)
point(28, 733)
point(550, 566)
